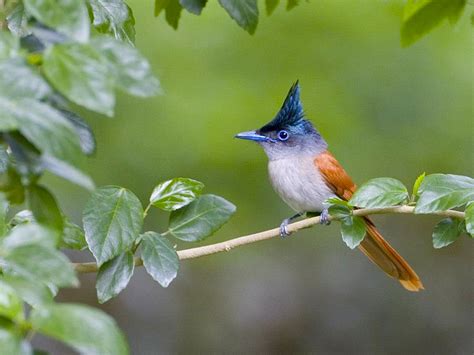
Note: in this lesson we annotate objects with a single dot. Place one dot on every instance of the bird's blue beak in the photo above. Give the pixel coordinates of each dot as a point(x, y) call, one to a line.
point(252, 136)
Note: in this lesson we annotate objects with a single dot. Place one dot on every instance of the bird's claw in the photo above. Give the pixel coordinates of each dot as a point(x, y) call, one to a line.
point(324, 218)
point(284, 228)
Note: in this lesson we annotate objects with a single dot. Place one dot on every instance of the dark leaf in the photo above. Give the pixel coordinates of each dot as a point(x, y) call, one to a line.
point(11, 186)
point(80, 74)
point(271, 6)
point(4, 159)
point(193, 6)
point(380, 192)
point(68, 17)
point(176, 193)
point(159, 258)
point(113, 276)
point(201, 218)
point(113, 219)
point(420, 17)
point(160, 5)
point(446, 232)
point(440, 192)
point(44, 207)
point(244, 12)
point(131, 71)
point(291, 4)
point(173, 13)
point(88, 330)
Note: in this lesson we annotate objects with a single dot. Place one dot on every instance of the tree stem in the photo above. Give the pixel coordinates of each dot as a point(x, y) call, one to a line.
point(272, 233)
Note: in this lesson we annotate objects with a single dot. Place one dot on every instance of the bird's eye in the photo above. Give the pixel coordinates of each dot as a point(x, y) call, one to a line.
point(283, 135)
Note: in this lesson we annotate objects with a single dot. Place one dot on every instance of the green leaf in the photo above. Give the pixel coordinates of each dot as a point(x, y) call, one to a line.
point(421, 16)
point(173, 13)
point(44, 127)
point(68, 17)
point(31, 291)
point(201, 218)
point(291, 4)
point(9, 45)
point(446, 232)
point(30, 233)
point(159, 258)
point(18, 21)
point(113, 218)
point(83, 130)
point(82, 75)
point(353, 231)
point(416, 185)
point(66, 171)
point(73, 237)
point(131, 71)
point(176, 193)
point(271, 6)
point(160, 5)
point(88, 330)
point(244, 12)
point(113, 276)
point(4, 206)
point(11, 186)
point(470, 219)
point(11, 341)
point(44, 207)
point(379, 192)
point(193, 6)
point(340, 211)
point(11, 306)
point(19, 80)
point(114, 17)
point(440, 192)
point(41, 263)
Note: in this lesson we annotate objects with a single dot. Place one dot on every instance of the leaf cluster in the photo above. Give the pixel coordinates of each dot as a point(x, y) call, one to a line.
point(244, 12)
point(430, 194)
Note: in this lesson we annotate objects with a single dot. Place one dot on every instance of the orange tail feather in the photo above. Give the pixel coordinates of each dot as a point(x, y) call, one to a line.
point(384, 256)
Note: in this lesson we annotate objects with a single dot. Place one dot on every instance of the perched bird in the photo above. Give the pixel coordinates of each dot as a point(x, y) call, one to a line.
point(305, 174)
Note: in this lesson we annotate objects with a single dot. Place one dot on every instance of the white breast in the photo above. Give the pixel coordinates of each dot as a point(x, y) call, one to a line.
point(299, 183)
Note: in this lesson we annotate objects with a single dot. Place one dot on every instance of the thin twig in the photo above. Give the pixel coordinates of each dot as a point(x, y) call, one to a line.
point(271, 233)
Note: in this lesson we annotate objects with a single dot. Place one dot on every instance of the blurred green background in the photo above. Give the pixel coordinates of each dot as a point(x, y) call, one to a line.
point(385, 111)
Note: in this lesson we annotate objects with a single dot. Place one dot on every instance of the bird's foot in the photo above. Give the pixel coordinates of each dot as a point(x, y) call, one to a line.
point(324, 217)
point(284, 228)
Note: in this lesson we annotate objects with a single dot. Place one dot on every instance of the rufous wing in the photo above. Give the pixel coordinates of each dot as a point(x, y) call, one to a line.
point(374, 246)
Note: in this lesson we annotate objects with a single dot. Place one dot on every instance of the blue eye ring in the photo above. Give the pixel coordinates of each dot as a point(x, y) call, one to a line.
point(283, 135)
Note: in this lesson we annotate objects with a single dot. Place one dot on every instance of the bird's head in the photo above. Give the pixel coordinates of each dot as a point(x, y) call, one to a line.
point(289, 133)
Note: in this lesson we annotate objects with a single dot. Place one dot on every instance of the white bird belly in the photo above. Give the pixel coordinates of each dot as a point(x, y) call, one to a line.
point(299, 183)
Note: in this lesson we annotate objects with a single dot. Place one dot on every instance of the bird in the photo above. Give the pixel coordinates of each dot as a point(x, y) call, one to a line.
point(305, 175)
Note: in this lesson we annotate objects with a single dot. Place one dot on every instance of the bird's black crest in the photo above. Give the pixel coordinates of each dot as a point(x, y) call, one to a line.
point(291, 112)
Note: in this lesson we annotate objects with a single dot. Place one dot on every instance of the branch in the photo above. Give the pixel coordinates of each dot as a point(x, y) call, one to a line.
point(271, 233)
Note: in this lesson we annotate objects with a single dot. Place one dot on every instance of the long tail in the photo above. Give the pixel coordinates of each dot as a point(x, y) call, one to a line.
point(383, 255)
